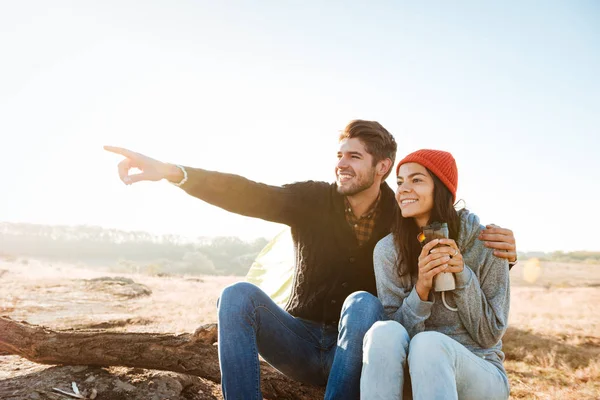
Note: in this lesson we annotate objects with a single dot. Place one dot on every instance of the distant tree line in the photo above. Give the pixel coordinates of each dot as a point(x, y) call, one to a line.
point(133, 251)
point(587, 257)
point(137, 251)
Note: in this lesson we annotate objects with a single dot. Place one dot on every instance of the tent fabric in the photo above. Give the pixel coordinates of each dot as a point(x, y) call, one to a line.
point(273, 268)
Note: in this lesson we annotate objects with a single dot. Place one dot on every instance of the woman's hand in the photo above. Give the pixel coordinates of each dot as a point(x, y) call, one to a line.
point(450, 248)
point(430, 264)
point(432, 261)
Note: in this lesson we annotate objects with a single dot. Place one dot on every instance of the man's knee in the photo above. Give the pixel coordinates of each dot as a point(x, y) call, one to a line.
point(237, 294)
point(386, 337)
point(363, 304)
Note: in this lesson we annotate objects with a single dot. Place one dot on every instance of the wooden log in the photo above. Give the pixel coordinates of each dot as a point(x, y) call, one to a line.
point(193, 354)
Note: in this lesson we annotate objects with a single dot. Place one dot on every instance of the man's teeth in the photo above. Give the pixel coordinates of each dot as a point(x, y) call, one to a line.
point(408, 201)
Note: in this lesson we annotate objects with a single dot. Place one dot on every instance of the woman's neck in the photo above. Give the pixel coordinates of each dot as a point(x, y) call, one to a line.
point(421, 221)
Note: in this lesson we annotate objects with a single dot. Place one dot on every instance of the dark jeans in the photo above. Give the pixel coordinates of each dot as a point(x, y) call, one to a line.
point(250, 323)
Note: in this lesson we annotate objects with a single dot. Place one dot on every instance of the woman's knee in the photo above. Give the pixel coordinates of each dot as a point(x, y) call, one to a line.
point(386, 337)
point(427, 346)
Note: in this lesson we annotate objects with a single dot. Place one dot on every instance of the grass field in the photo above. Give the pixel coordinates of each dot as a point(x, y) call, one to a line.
point(552, 346)
point(553, 343)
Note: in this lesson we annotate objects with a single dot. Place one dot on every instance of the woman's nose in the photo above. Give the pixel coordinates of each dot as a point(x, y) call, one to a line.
point(404, 188)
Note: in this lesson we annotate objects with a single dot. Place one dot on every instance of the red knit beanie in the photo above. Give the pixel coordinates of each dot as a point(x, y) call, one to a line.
point(440, 163)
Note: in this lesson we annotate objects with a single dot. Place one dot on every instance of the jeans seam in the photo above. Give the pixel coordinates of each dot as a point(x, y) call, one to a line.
point(255, 358)
point(322, 362)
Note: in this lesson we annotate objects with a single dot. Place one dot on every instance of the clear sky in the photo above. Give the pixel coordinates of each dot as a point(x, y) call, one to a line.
point(262, 89)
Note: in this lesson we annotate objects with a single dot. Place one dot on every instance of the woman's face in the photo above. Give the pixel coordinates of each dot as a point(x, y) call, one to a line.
point(415, 192)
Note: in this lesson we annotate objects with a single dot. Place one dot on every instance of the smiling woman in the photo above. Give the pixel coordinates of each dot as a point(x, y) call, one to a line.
point(449, 335)
point(424, 176)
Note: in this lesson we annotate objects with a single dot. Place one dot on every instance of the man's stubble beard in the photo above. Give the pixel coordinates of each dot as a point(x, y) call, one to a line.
point(359, 186)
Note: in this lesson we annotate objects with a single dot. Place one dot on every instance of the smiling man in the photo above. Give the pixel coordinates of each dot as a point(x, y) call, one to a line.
point(317, 338)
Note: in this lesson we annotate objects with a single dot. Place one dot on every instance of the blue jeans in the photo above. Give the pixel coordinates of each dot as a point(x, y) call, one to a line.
point(250, 323)
point(439, 366)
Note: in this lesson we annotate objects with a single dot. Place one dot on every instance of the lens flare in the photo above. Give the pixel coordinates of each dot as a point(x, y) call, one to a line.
point(532, 270)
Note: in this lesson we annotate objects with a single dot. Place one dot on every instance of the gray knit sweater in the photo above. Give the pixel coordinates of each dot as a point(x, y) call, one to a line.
point(482, 295)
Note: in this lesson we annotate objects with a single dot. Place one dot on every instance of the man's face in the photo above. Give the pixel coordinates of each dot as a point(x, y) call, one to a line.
point(354, 170)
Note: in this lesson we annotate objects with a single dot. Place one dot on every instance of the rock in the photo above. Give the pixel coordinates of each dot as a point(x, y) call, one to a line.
point(118, 286)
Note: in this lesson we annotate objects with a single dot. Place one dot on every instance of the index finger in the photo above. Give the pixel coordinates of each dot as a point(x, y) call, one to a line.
point(427, 248)
point(448, 242)
point(120, 151)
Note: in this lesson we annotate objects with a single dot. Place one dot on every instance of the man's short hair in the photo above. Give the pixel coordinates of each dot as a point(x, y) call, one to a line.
point(378, 142)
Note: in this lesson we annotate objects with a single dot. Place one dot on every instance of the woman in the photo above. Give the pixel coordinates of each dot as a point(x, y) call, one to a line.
point(450, 341)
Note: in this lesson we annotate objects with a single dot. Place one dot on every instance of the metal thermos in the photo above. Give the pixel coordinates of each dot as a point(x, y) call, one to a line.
point(444, 281)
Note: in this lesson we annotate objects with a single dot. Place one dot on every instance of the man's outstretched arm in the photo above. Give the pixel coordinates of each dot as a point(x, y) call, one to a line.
point(228, 191)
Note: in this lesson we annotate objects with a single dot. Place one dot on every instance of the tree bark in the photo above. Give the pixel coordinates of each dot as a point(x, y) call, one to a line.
point(193, 354)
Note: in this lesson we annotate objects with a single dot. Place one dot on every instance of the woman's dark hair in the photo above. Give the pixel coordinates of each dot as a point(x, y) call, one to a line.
point(405, 230)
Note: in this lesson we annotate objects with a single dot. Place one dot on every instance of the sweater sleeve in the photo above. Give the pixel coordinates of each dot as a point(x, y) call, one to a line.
point(234, 193)
point(397, 294)
point(483, 305)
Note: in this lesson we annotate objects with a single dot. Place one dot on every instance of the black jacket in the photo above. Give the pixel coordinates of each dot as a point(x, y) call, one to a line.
point(329, 263)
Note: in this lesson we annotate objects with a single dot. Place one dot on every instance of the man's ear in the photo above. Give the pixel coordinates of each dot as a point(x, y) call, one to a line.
point(384, 166)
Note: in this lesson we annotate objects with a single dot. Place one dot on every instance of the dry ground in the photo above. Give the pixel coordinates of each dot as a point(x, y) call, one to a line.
point(552, 346)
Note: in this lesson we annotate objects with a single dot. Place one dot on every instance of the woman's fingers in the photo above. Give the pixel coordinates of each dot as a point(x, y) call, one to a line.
point(430, 257)
point(434, 271)
point(450, 248)
point(448, 242)
point(456, 264)
point(451, 251)
point(454, 268)
point(433, 261)
point(427, 248)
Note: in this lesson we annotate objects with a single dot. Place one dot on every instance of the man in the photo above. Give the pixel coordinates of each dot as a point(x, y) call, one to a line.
point(318, 337)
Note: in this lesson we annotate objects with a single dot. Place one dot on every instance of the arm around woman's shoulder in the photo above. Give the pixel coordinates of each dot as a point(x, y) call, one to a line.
point(395, 291)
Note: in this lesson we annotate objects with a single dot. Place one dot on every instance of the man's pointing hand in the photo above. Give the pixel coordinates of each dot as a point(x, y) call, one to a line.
point(151, 169)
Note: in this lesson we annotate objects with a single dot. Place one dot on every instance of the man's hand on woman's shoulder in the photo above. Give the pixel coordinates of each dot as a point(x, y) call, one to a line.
point(501, 240)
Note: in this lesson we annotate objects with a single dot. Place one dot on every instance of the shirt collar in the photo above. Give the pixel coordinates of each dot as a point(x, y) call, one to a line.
point(370, 211)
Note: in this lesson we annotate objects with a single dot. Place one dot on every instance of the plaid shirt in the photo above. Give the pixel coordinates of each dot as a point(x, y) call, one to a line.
point(363, 226)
